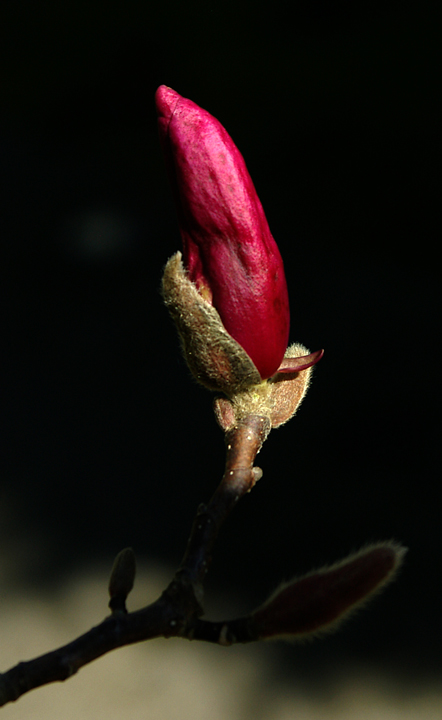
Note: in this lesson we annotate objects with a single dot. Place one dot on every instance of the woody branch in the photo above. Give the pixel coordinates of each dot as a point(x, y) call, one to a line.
point(175, 612)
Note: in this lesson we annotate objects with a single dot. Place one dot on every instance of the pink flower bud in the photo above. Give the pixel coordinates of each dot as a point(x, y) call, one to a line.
point(229, 252)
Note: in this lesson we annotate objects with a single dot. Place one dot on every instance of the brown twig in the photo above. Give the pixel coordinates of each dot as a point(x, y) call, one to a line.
point(243, 443)
point(176, 612)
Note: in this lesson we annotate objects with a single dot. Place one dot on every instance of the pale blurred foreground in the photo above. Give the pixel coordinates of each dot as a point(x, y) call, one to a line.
point(178, 680)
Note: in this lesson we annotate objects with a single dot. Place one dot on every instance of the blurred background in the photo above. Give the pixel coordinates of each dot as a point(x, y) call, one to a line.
point(105, 440)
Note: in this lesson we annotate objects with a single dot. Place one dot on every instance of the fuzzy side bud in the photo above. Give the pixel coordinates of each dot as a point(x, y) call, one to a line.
point(319, 601)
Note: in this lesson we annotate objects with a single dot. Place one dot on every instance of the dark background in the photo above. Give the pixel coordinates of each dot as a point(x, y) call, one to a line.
point(105, 440)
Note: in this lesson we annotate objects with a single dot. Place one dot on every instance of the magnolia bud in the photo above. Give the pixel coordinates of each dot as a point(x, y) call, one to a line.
point(229, 297)
point(319, 601)
point(229, 252)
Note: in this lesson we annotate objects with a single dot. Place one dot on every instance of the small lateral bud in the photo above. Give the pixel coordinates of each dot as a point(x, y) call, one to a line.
point(319, 601)
point(122, 579)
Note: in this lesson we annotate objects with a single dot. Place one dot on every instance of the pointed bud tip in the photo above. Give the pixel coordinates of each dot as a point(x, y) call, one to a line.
point(165, 101)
